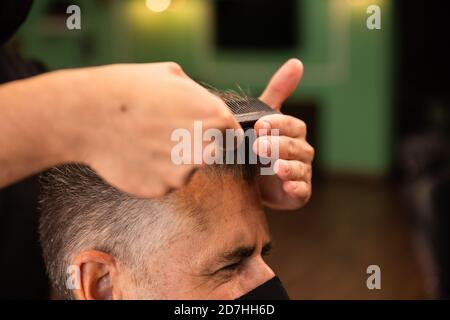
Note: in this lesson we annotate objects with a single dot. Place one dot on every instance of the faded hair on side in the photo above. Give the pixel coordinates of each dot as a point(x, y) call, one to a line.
point(79, 212)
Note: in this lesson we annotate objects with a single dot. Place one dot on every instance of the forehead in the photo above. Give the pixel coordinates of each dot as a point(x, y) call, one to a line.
point(220, 196)
point(224, 210)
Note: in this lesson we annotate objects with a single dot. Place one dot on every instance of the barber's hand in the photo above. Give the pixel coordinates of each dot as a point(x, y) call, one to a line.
point(129, 126)
point(291, 187)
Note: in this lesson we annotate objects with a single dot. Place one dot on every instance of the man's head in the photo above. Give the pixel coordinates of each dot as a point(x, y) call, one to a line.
point(203, 241)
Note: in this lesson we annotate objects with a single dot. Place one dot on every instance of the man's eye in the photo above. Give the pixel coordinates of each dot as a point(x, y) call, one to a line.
point(266, 253)
point(231, 267)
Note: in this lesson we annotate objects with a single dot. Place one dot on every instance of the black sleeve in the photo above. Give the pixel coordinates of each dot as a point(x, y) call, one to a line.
point(21, 264)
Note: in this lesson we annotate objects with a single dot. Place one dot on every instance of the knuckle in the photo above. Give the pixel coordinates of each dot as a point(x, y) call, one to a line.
point(302, 172)
point(306, 177)
point(302, 127)
point(305, 191)
point(288, 170)
point(215, 108)
point(308, 172)
point(225, 116)
point(310, 151)
point(291, 149)
point(174, 68)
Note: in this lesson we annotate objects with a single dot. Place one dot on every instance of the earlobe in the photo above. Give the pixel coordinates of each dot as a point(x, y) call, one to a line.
point(97, 276)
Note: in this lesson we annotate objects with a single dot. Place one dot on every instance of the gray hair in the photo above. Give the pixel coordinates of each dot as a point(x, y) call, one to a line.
point(80, 212)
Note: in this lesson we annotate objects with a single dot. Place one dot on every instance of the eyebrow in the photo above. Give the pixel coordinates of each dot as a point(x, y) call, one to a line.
point(243, 252)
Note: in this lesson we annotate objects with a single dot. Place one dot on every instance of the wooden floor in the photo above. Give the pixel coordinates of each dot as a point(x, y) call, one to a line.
point(323, 251)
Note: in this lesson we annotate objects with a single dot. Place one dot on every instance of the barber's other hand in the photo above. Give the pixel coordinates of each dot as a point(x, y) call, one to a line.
point(127, 128)
point(291, 187)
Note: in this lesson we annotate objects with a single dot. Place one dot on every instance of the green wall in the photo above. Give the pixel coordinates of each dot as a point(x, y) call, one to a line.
point(347, 66)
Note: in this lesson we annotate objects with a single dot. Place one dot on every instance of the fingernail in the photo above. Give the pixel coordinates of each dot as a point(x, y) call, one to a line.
point(264, 147)
point(279, 166)
point(264, 128)
point(276, 167)
point(282, 165)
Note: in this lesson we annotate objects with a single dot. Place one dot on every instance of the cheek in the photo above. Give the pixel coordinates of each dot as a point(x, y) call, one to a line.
point(170, 284)
point(164, 276)
point(175, 281)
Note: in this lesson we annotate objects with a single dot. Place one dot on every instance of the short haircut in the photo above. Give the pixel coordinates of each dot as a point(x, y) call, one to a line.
point(79, 212)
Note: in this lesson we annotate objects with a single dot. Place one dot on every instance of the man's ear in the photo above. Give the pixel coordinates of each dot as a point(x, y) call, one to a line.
point(97, 276)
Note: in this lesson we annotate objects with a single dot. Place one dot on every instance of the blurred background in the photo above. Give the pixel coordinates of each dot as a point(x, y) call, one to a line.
point(376, 103)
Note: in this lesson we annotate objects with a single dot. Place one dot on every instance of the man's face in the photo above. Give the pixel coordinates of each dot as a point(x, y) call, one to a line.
point(218, 254)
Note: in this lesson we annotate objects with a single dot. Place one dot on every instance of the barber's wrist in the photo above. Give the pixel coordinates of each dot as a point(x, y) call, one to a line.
point(91, 105)
point(66, 119)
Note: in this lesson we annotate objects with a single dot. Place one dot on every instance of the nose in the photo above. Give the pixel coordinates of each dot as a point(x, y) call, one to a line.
point(263, 272)
point(258, 272)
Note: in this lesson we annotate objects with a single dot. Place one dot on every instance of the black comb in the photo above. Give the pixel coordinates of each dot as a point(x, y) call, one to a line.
point(248, 110)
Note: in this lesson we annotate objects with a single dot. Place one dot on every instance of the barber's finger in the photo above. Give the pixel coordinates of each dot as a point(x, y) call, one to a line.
point(225, 118)
point(298, 189)
point(288, 126)
point(288, 148)
point(206, 107)
point(180, 175)
point(283, 83)
point(293, 170)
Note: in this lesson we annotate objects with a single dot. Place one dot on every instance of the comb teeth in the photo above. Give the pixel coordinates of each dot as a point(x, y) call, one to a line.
point(247, 105)
point(248, 111)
